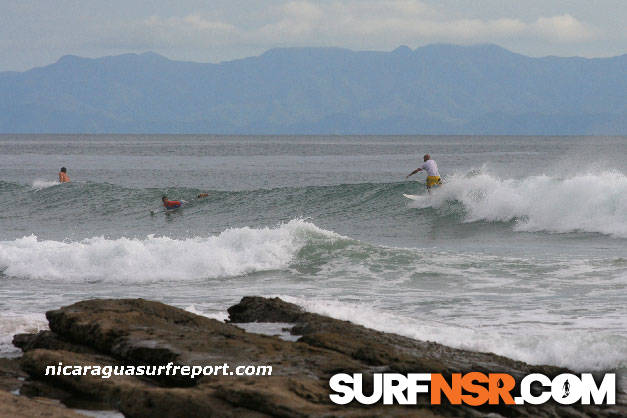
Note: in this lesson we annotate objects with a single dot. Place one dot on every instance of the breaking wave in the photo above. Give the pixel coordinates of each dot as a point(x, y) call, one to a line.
point(582, 203)
point(581, 350)
point(233, 252)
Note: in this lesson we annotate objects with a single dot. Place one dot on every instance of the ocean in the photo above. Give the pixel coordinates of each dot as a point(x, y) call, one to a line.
point(522, 252)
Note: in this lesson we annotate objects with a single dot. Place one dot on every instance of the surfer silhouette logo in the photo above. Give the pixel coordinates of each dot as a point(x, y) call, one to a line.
point(566, 389)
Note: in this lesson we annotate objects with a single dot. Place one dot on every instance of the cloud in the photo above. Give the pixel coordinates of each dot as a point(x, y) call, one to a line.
point(303, 10)
point(229, 29)
point(191, 30)
point(564, 28)
point(410, 19)
point(187, 24)
point(356, 24)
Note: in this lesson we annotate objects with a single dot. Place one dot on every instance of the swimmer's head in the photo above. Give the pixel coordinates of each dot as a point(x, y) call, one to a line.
point(63, 170)
point(427, 157)
point(164, 198)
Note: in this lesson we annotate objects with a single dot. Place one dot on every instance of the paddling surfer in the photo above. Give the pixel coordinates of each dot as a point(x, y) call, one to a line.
point(171, 204)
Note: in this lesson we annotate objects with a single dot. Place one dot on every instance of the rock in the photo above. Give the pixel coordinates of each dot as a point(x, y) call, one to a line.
point(22, 407)
point(142, 398)
point(146, 332)
point(132, 332)
point(258, 309)
point(11, 376)
point(47, 339)
point(376, 348)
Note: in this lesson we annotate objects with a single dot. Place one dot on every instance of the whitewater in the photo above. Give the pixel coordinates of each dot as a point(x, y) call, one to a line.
point(585, 202)
point(522, 252)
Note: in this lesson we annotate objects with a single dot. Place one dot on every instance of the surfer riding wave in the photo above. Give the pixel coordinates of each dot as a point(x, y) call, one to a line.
point(433, 175)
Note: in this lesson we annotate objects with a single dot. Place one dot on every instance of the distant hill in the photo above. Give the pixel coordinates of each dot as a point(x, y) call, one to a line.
point(437, 89)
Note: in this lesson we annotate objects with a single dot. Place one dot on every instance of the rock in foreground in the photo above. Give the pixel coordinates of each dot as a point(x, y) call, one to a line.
point(22, 407)
point(141, 332)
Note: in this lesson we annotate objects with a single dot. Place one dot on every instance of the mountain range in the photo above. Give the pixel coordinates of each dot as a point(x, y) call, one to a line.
point(436, 89)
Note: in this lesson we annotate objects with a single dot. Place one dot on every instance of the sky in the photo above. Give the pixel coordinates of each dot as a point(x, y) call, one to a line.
point(37, 33)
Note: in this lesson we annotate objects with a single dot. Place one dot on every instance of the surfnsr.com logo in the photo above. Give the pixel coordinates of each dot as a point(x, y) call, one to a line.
point(473, 389)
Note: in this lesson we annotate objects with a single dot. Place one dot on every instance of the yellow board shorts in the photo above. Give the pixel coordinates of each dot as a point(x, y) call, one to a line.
point(433, 181)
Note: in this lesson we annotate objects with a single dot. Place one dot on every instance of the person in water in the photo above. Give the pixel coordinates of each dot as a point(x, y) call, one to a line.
point(63, 177)
point(170, 204)
point(433, 175)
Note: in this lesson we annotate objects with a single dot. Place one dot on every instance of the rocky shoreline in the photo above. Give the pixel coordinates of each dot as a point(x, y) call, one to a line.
point(142, 332)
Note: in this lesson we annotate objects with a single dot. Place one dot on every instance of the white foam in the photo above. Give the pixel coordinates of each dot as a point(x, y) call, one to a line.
point(580, 203)
point(220, 316)
point(580, 350)
point(14, 323)
point(44, 184)
point(233, 252)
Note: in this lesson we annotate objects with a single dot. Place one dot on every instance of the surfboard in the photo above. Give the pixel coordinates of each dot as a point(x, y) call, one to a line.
point(164, 210)
point(411, 196)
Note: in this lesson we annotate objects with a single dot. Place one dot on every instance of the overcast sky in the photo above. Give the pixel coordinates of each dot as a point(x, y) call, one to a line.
point(36, 33)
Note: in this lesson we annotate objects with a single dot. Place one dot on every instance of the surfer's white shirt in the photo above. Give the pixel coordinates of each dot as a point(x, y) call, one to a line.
point(431, 168)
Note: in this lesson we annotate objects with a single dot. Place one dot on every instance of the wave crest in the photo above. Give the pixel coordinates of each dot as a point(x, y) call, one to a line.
point(233, 252)
point(581, 203)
